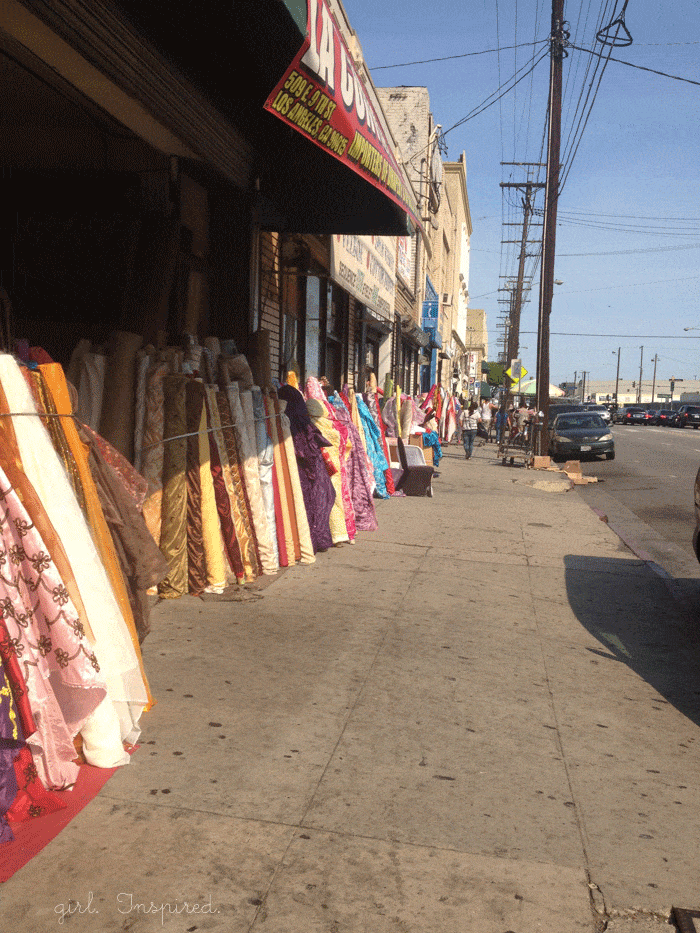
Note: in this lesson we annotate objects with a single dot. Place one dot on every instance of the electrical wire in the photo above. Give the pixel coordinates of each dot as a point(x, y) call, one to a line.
point(621, 61)
point(446, 58)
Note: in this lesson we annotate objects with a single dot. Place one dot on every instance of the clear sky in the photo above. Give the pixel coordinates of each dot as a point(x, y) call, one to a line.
point(628, 239)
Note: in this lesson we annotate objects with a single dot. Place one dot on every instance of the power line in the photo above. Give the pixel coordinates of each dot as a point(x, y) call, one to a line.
point(446, 58)
point(621, 61)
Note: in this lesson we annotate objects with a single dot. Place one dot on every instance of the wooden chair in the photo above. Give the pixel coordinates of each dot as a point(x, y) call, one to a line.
point(417, 476)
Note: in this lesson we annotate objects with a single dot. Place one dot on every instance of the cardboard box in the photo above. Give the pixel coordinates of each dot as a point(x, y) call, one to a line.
point(541, 463)
point(572, 466)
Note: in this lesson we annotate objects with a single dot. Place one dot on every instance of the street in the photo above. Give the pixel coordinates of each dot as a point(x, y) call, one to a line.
point(648, 489)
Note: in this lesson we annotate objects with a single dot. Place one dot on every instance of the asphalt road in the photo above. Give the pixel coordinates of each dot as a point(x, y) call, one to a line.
point(651, 480)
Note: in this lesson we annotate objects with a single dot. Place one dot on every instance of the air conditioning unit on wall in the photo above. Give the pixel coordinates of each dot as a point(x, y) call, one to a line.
point(446, 298)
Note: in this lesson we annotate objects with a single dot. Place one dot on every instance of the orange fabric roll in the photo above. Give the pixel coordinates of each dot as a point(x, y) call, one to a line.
point(56, 382)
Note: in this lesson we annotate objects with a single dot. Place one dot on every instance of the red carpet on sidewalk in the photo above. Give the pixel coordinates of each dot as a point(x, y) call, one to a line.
point(32, 835)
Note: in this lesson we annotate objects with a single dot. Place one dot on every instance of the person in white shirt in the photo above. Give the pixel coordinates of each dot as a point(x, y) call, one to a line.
point(469, 419)
point(486, 419)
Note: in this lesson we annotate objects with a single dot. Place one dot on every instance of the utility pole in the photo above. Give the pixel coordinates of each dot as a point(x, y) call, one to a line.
point(617, 377)
point(653, 385)
point(584, 373)
point(641, 368)
point(557, 41)
point(517, 297)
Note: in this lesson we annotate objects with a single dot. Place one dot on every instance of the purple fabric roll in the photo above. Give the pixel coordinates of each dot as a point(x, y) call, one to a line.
point(316, 486)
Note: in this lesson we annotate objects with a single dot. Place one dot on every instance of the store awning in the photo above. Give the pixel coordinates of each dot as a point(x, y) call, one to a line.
point(321, 96)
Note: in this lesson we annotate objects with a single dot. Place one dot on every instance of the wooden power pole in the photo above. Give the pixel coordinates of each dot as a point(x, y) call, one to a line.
point(557, 42)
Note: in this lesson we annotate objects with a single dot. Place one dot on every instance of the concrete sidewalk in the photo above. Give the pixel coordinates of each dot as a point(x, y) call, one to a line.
point(482, 718)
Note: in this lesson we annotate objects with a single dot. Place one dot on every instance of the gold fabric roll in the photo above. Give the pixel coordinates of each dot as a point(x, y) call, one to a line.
point(57, 386)
point(173, 537)
point(153, 452)
point(211, 529)
point(242, 519)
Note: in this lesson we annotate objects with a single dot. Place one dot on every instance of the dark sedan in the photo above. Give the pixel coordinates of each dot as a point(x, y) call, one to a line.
point(574, 435)
point(689, 415)
point(635, 416)
point(666, 417)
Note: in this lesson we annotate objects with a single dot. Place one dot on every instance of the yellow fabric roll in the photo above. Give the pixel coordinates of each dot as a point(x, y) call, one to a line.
point(355, 415)
point(56, 383)
point(319, 415)
point(211, 529)
point(307, 548)
point(281, 484)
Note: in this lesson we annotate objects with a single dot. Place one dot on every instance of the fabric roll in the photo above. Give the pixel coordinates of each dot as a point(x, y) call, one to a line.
point(55, 427)
point(313, 388)
point(279, 522)
point(17, 681)
point(153, 450)
point(375, 452)
point(10, 743)
point(224, 492)
point(11, 463)
point(355, 415)
point(359, 481)
point(406, 418)
point(117, 416)
point(173, 536)
point(140, 559)
point(196, 558)
point(58, 387)
point(143, 362)
point(318, 413)
point(377, 416)
point(113, 646)
point(60, 667)
point(91, 387)
point(244, 425)
point(285, 534)
point(316, 485)
point(240, 505)
point(306, 549)
point(265, 463)
point(211, 527)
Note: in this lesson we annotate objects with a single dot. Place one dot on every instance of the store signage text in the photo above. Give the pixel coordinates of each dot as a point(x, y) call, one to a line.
point(361, 265)
point(323, 97)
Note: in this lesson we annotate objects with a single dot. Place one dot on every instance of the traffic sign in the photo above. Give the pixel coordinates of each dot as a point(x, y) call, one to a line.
point(517, 376)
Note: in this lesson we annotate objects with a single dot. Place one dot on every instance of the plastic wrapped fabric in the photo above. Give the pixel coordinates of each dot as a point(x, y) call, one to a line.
point(265, 463)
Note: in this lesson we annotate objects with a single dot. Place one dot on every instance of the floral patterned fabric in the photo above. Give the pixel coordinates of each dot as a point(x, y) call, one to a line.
point(60, 668)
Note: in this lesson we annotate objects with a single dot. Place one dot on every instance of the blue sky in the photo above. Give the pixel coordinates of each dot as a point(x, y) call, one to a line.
point(631, 196)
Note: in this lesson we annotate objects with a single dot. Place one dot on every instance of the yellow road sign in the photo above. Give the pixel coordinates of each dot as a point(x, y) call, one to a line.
point(523, 373)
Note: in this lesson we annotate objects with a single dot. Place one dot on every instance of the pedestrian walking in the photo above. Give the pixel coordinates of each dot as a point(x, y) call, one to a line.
point(485, 421)
point(502, 424)
point(469, 421)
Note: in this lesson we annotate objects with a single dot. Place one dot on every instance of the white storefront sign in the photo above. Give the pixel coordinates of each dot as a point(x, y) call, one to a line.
point(365, 267)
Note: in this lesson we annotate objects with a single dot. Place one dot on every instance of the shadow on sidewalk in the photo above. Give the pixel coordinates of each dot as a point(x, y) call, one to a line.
point(638, 622)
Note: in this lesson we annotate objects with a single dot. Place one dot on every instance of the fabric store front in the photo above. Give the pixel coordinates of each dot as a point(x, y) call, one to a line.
point(365, 267)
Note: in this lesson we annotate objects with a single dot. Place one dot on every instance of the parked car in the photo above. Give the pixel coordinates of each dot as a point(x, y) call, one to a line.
point(689, 414)
point(666, 417)
point(632, 415)
point(576, 433)
point(602, 410)
point(561, 408)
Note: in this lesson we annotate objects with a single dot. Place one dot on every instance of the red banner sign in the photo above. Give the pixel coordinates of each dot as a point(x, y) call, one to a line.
point(323, 97)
